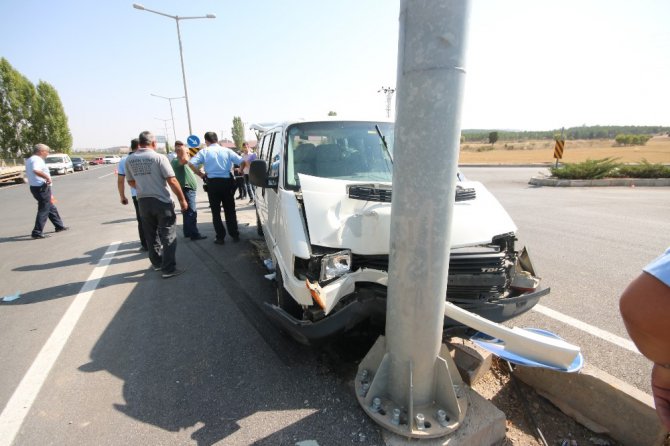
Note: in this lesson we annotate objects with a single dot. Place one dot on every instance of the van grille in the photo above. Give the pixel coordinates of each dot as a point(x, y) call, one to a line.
point(479, 273)
point(370, 193)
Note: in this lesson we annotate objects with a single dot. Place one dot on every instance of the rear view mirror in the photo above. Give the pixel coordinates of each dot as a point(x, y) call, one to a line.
point(258, 173)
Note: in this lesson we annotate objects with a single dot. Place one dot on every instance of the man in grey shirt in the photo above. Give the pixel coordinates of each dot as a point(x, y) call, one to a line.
point(151, 174)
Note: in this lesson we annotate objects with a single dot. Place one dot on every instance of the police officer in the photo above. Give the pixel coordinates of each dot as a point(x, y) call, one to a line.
point(218, 163)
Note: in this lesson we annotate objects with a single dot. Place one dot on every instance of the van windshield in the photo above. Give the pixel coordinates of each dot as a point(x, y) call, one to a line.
point(344, 150)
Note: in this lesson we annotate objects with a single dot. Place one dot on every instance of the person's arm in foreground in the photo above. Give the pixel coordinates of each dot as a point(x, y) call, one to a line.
point(176, 188)
point(645, 308)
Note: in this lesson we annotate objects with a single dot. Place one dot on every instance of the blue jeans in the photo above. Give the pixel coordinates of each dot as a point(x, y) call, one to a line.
point(191, 215)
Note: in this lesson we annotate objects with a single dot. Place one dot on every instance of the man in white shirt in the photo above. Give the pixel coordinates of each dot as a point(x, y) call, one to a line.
point(40, 186)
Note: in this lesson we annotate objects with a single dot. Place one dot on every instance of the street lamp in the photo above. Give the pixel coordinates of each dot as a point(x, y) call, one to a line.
point(388, 91)
point(171, 113)
point(181, 54)
point(167, 145)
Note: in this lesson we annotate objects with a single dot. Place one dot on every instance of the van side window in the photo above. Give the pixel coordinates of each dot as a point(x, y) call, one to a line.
point(264, 146)
point(275, 155)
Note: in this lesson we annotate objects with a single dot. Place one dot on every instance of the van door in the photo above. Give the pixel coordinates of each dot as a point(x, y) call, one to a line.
point(266, 198)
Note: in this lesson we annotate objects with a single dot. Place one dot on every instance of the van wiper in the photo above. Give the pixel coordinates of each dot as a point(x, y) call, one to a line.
point(386, 147)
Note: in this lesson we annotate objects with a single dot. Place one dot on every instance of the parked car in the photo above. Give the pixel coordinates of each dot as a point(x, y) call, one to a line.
point(98, 160)
point(111, 159)
point(79, 163)
point(323, 203)
point(59, 163)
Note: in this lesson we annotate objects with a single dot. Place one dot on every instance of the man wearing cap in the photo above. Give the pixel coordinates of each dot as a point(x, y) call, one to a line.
point(40, 186)
point(189, 185)
point(218, 164)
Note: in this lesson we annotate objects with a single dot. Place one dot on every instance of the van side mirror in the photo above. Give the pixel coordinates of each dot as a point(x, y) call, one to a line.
point(258, 173)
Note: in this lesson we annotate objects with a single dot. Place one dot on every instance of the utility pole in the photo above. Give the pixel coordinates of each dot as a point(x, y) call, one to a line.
point(408, 382)
point(388, 91)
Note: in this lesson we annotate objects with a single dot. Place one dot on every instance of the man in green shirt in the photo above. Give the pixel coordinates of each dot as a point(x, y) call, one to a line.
point(189, 185)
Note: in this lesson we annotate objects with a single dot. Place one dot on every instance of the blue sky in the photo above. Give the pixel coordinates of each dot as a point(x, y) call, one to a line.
point(531, 65)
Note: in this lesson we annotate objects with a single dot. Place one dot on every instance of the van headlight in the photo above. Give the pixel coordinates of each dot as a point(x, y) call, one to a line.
point(335, 265)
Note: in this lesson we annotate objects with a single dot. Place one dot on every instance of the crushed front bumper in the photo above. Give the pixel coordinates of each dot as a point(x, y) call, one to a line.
point(371, 305)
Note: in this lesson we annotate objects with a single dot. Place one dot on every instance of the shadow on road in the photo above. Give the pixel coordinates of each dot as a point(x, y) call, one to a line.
point(127, 252)
point(191, 358)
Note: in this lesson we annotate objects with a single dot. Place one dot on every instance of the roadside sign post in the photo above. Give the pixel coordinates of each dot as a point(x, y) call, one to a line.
point(408, 382)
point(558, 148)
point(193, 143)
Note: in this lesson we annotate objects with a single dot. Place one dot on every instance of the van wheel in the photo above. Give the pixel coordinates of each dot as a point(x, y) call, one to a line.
point(259, 228)
point(284, 299)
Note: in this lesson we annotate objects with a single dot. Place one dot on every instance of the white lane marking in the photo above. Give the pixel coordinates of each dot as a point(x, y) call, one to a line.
point(590, 329)
point(108, 174)
point(24, 396)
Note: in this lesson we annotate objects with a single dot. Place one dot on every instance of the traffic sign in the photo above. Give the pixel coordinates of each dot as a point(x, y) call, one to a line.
point(193, 141)
point(558, 149)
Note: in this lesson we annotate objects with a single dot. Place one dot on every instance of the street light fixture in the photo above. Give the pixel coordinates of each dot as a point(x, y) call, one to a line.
point(167, 145)
point(174, 132)
point(181, 54)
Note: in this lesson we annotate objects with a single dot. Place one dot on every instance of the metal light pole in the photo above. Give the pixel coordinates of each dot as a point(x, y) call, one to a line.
point(388, 91)
point(174, 132)
point(181, 53)
point(408, 382)
point(166, 133)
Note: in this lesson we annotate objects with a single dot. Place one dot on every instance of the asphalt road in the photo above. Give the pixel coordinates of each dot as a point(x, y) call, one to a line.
point(194, 359)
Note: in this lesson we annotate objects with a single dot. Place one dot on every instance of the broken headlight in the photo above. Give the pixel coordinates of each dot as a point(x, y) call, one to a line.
point(335, 265)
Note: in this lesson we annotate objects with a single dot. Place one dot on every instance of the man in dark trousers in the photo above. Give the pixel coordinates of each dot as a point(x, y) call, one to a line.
point(218, 164)
point(151, 174)
point(121, 185)
point(40, 186)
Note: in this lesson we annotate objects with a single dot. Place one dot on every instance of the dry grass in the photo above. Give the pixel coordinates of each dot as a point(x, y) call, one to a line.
point(657, 150)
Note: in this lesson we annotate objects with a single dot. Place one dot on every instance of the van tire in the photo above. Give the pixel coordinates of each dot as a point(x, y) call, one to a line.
point(284, 299)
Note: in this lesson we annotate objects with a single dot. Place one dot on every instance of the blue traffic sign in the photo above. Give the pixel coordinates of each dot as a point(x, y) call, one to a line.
point(193, 141)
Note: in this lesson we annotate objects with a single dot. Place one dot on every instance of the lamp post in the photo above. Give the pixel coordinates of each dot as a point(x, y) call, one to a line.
point(166, 133)
point(174, 132)
point(181, 54)
point(388, 91)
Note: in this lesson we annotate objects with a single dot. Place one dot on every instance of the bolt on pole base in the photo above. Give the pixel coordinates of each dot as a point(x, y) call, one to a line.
point(442, 416)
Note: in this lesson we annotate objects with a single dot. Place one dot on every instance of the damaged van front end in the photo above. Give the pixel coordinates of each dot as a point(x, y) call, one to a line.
point(328, 229)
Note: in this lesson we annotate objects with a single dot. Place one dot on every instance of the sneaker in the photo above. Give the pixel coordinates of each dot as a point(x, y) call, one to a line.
point(176, 272)
point(156, 268)
point(64, 228)
point(251, 202)
point(199, 237)
point(219, 241)
point(38, 236)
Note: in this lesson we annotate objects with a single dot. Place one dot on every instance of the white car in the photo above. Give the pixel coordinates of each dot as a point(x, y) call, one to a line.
point(59, 163)
point(111, 159)
point(323, 203)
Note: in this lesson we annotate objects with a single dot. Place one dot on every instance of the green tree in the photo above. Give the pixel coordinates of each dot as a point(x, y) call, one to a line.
point(49, 125)
point(493, 137)
point(17, 99)
point(332, 113)
point(238, 132)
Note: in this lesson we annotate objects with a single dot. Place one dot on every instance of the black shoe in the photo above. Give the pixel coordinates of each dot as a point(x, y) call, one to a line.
point(64, 228)
point(38, 236)
point(251, 202)
point(199, 237)
point(176, 272)
point(219, 241)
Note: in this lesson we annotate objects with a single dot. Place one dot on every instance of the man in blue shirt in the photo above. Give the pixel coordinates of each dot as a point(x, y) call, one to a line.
point(121, 185)
point(218, 164)
point(39, 180)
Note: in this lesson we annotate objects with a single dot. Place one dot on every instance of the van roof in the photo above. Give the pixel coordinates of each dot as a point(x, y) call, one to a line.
point(265, 126)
